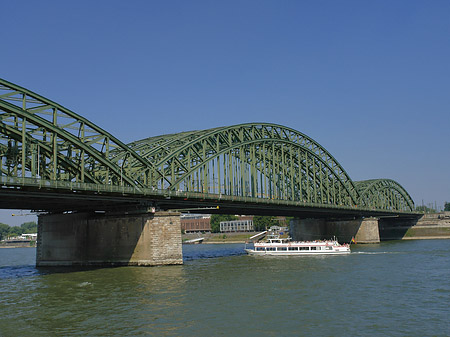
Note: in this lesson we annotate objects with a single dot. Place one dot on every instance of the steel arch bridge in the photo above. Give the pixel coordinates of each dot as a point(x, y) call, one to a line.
point(43, 144)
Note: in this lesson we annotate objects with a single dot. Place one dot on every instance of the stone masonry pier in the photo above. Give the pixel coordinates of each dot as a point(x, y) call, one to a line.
point(90, 239)
point(363, 230)
point(373, 230)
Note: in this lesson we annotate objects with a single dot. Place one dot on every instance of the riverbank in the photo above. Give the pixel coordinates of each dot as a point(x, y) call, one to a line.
point(17, 244)
point(220, 237)
point(430, 226)
point(417, 232)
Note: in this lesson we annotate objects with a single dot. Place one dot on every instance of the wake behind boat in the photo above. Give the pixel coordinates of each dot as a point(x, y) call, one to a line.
point(276, 245)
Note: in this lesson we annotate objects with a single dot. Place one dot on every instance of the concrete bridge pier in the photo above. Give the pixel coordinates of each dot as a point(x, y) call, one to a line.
point(364, 230)
point(90, 239)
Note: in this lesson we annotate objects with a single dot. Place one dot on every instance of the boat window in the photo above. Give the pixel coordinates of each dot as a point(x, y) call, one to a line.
point(304, 248)
point(328, 248)
point(313, 248)
point(293, 248)
point(282, 248)
point(270, 248)
point(259, 248)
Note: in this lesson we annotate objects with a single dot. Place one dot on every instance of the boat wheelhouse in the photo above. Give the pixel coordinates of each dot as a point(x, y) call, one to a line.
point(276, 245)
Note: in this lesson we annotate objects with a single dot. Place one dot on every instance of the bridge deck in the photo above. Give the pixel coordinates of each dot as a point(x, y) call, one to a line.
point(58, 196)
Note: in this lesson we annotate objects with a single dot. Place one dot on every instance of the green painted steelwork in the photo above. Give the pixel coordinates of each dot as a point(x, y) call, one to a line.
point(384, 194)
point(59, 144)
point(255, 160)
point(41, 140)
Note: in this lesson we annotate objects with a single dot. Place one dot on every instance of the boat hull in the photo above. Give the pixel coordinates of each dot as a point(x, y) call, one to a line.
point(296, 253)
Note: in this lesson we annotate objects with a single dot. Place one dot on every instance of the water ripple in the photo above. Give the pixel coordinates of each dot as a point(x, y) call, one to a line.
point(394, 289)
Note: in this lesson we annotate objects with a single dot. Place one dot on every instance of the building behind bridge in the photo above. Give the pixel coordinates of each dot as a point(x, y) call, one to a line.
point(243, 224)
point(191, 223)
point(194, 223)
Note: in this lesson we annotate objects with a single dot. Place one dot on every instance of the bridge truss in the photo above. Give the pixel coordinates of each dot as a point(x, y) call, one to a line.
point(41, 141)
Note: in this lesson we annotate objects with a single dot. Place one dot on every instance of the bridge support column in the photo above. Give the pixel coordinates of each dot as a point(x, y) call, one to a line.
point(87, 239)
point(363, 230)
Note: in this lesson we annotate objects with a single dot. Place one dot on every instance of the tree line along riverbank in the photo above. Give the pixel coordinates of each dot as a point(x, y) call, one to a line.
point(18, 236)
point(220, 237)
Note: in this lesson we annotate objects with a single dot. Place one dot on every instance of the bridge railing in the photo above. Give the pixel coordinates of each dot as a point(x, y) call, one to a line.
point(159, 194)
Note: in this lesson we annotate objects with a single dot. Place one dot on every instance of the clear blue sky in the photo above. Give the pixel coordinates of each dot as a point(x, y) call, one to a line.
point(369, 80)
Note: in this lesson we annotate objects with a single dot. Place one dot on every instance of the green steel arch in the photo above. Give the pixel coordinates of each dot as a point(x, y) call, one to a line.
point(251, 160)
point(384, 194)
point(41, 139)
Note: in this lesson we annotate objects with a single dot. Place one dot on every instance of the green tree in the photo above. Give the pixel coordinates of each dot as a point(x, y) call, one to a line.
point(262, 223)
point(29, 227)
point(217, 218)
point(4, 230)
point(15, 231)
point(447, 206)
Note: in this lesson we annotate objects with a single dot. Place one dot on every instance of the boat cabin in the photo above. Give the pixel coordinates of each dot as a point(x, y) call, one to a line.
point(292, 248)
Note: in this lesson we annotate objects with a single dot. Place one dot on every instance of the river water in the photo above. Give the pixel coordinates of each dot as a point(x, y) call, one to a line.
point(397, 288)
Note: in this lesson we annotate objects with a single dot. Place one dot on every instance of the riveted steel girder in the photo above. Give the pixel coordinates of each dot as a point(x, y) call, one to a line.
point(258, 159)
point(384, 194)
point(54, 143)
point(41, 139)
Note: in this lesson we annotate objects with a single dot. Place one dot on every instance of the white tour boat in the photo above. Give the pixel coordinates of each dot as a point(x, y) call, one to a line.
point(275, 245)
